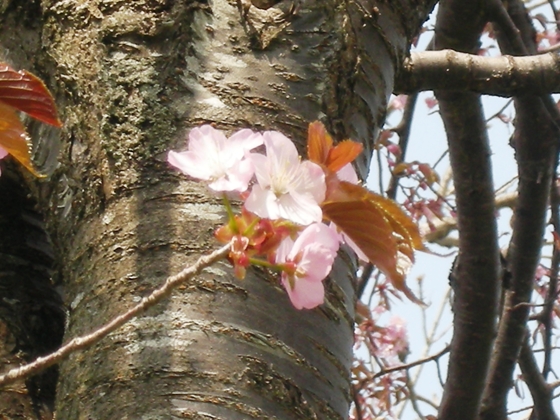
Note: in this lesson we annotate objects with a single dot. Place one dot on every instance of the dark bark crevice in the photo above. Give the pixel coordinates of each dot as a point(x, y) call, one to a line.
point(30, 306)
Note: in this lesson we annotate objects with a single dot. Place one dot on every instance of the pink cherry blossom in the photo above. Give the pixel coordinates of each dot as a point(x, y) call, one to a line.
point(287, 188)
point(307, 261)
point(391, 340)
point(212, 157)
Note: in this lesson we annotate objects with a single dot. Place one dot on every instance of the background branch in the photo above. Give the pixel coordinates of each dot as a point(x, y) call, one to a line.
point(459, 25)
point(534, 141)
point(500, 76)
point(540, 391)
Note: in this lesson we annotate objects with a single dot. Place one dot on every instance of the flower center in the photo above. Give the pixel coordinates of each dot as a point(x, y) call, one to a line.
point(281, 180)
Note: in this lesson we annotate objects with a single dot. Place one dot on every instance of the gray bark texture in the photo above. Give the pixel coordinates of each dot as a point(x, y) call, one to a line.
point(130, 79)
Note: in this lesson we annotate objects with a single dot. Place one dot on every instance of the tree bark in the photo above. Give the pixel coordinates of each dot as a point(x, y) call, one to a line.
point(131, 78)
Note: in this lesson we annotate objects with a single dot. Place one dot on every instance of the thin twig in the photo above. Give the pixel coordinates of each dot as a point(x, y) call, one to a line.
point(87, 340)
point(500, 111)
point(430, 340)
point(410, 365)
point(403, 131)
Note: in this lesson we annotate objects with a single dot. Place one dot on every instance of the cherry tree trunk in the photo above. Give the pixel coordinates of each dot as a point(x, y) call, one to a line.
point(131, 78)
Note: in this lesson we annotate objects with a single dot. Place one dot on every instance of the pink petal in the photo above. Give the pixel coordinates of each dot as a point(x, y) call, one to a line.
point(245, 139)
point(258, 200)
point(316, 262)
point(306, 294)
point(260, 162)
point(314, 180)
point(299, 208)
point(280, 149)
point(348, 173)
point(190, 164)
point(316, 233)
point(205, 140)
point(284, 249)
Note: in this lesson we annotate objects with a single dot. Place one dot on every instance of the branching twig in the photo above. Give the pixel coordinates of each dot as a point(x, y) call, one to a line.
point(403, 131)
point(540, 391)
point(410, 365)
point(535, 140)
point(85, 341)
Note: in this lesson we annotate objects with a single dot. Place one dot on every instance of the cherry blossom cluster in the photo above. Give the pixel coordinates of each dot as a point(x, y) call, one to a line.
point(385, 347)
point(280, 225)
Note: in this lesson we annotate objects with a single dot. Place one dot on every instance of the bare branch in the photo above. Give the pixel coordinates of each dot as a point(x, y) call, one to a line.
point(552, 293)
point(403, 131)
point(500, 76)
point(459, 26)
point(443, 227)
point(412, 364)
point(534, 140)
point(540, 391)
point(85, 341)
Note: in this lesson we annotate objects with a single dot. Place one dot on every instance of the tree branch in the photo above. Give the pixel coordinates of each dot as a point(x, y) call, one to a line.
point(534, 140)
point(410, 365)
point(540, 391)
point(505, 75)
point(552, 293)
point(85, 341)
point(459, 25)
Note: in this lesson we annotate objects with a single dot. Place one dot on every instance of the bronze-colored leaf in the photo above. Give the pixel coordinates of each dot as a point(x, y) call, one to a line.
point(320, 148)
point(378, 226)
point(401, 222)
point(366, 225)
point(27, 93)
point(319, 143)
point(343, 153)
point(14, 138)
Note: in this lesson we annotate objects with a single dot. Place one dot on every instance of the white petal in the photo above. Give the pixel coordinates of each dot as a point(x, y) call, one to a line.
point(246, 139)
point(300, 208)
point(260, 162)
point(315, 180)
point(191, 164)
point(257, 201)
point(280, 150)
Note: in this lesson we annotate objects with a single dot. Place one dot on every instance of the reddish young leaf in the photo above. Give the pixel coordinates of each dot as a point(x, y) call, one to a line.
point(320, 148)
point(366, 225)
point(343, 153)
point(377, 226)
point(319, 143)
point(13, 137)
point(400, 221)
point(26, 92)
